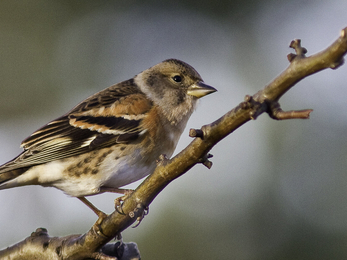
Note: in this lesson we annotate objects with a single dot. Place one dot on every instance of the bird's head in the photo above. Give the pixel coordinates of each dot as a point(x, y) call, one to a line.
point(174, 86)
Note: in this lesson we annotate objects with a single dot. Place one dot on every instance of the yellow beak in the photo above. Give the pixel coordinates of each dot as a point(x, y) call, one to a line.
point(200, 89)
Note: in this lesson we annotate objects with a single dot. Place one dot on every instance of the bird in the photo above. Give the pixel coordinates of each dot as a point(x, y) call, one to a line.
point(112, 138)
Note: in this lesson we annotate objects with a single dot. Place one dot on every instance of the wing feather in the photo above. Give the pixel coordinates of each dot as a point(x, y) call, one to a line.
point(111, 116)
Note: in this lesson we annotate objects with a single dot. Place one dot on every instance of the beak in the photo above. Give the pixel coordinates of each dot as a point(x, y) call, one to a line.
point(200, 89)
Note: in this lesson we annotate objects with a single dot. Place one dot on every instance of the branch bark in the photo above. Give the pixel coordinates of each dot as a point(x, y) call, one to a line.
point(92, 244)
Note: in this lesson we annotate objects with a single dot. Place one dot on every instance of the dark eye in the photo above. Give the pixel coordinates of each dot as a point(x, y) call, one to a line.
point(177, 78)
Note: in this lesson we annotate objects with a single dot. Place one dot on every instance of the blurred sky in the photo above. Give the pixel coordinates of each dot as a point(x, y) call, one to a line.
point(276, 189)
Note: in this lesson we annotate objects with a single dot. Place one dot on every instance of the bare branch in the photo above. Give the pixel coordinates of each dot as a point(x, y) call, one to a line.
point(41, 246)
point(211, 134)
point(276, 112)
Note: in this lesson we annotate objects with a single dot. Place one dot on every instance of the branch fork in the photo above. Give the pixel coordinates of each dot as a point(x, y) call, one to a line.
point(275, 112)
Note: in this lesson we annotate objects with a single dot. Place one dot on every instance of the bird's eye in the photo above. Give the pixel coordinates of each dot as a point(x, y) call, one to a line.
point(177, 78)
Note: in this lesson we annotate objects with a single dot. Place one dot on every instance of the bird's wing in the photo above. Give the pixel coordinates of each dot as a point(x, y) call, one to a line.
point(109, 117)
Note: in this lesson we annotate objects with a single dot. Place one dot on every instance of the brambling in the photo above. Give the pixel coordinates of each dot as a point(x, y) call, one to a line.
point(112, 138)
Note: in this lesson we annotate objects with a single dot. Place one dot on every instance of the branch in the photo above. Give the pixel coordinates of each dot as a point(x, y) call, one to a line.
point(133, 208)
point(40, 246)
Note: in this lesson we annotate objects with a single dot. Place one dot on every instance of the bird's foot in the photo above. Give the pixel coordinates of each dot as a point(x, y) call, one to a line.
point(118, 202)
point(101, 218)
point(144, 212)
point(97, 225)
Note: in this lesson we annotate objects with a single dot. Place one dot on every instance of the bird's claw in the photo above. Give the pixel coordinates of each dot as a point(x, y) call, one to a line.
point(97, 224)
point(118, 202)
point(142, 215)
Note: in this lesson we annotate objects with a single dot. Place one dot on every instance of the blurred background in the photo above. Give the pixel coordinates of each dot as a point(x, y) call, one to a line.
point(277, 190)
